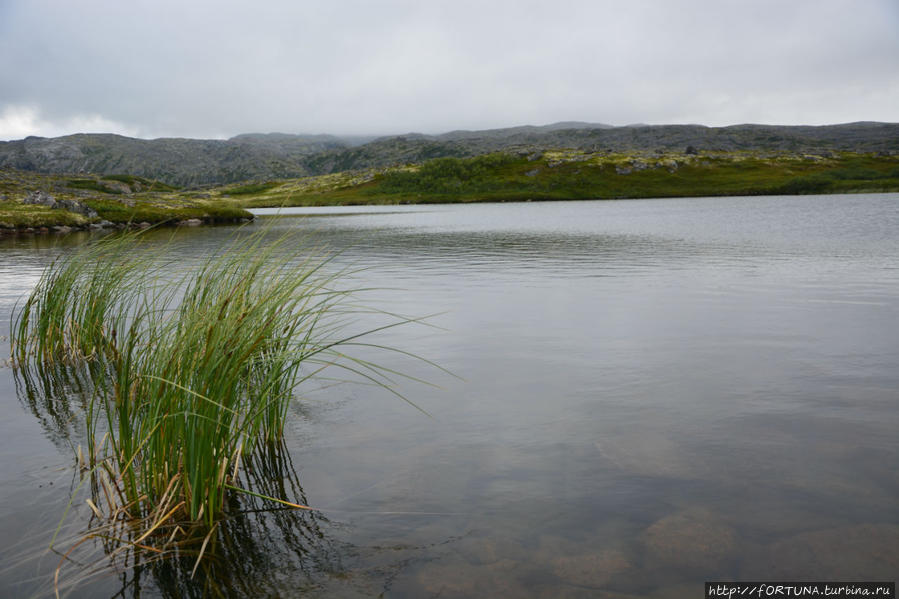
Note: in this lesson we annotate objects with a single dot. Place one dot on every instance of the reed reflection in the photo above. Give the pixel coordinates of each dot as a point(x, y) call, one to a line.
point(245, 554)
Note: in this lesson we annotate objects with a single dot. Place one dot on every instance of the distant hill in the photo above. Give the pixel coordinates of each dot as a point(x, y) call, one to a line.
point(172, 160)
point(413, 148)
point(193, 162)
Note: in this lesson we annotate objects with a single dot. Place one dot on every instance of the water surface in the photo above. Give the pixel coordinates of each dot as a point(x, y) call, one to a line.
point(653, 393)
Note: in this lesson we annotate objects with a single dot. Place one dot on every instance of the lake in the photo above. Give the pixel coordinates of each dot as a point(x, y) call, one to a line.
point(650, 394)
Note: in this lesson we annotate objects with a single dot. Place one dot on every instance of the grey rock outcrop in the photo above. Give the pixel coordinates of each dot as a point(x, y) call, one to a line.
point(192, 162)
point(76, 206)
point(42, 198)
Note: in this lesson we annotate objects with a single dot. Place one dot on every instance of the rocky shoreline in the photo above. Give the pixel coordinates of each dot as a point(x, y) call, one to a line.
point(37, 205)
point(105, 225)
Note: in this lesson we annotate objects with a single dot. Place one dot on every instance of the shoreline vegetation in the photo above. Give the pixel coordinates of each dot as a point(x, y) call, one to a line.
point(186, 376)
point(532, 175)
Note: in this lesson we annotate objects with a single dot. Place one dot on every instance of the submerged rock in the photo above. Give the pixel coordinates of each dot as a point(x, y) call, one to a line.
point(677, 591)
point(574, 592)
point(591, 569)
point(456, 578)
point(485, 551)
point(651, 455)
point(693, 540)
point(866, 551)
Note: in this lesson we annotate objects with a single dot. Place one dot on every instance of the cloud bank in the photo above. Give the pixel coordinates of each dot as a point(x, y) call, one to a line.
point(216, 69)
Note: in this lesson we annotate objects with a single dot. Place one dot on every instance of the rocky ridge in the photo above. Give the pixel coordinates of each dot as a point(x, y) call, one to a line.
point(194, 162)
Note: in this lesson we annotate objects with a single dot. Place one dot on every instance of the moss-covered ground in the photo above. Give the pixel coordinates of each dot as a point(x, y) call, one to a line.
point(573, 175)
point(117, 199)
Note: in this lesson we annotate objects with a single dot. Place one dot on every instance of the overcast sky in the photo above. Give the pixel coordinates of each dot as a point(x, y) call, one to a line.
point(216, 69)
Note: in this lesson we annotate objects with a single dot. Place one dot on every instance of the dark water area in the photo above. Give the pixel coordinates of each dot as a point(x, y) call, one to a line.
point(652, 393)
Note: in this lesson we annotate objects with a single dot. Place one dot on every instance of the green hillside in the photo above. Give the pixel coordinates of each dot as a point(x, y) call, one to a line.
point(574, 175)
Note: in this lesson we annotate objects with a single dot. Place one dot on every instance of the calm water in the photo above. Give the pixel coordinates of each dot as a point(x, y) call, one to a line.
point(653, 393)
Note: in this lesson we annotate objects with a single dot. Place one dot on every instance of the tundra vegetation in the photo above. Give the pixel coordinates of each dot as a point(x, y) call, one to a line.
point(577, 175)
point(498, 177)
point(117, 200)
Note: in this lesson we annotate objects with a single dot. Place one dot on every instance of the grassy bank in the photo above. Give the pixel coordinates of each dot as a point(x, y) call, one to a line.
point(107, 201)
point(573, 175)
point(547, 175)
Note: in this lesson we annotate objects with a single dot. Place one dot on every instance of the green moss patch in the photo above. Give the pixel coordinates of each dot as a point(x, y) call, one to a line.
point(573, 175)
point(15, 215)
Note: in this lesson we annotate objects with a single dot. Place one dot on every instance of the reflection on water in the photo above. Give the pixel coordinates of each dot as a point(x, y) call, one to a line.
point(655, 393)
point(252, 550)
point(250, 547)
point(256, 545)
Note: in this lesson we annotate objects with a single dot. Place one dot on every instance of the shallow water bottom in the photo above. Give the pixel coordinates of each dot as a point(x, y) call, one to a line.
point(653, 394)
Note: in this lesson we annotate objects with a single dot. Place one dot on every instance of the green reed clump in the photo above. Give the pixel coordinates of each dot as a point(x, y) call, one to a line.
point(74, 306)
point(190, 371)
point(222, 370)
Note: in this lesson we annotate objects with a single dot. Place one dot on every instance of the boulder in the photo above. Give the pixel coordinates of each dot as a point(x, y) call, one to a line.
point(40, 198)
point(77, 207)
point(118, 186)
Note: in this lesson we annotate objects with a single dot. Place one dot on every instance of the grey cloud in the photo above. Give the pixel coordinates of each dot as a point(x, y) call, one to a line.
point(222, 68)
